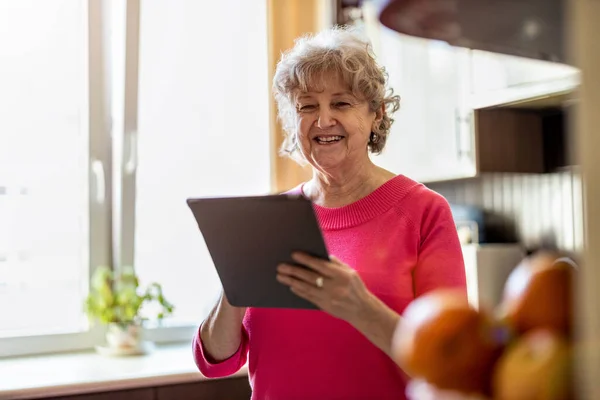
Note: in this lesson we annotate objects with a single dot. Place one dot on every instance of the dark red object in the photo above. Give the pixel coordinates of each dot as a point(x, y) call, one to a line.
point(528, 28)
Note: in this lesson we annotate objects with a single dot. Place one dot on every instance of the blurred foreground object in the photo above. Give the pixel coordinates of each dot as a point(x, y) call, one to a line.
point(521, 350)
point(527, 28)
point(538, 294)
point(445, 341)
point(538, 365)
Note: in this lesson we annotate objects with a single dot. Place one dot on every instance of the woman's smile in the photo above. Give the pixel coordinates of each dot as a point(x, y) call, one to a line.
point(328, 140)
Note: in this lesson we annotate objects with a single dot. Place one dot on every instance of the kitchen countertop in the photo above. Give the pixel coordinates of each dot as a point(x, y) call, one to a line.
point(84, 372)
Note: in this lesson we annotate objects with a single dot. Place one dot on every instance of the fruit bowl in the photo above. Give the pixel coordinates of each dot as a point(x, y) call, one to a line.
point(521, 350)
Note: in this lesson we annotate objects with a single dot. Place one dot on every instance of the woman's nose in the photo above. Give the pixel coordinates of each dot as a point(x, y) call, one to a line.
point(325, 118)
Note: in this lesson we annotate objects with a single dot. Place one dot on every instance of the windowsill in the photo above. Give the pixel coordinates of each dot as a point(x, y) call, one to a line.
point(84, 372)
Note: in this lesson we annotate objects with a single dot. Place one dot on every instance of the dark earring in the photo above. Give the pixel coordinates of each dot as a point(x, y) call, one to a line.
point(374, 138)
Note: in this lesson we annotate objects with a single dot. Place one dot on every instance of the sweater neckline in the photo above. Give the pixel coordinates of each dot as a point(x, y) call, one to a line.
point(375, 203)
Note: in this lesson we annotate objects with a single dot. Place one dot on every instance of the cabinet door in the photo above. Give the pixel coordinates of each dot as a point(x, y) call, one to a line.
point(134, 394)
point(431, 138)
point(218, 389)
point(499, 78)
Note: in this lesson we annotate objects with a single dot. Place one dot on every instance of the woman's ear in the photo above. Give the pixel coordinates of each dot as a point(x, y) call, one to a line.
point(379, 114)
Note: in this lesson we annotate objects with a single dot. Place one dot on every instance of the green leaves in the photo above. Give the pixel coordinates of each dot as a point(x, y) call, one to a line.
point(117, 297)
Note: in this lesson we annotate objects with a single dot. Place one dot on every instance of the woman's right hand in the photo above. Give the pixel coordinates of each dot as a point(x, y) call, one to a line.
point(240, 310)
point(221, 332)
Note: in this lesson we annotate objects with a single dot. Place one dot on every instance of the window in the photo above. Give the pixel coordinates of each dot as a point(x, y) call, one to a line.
point(46, 214)
point(203, 131)
point(111, 115)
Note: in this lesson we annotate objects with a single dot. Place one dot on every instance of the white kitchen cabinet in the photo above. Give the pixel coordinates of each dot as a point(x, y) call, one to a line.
point(432, 136)
point(445, 129)
point(439, 133)
point(503, 79)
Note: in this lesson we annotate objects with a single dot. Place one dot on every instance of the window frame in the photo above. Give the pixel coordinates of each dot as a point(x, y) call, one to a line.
point(125, 162)
point(113, 37)
point(99, 161)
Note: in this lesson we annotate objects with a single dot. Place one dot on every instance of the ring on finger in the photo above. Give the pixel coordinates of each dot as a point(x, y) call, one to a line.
point(319, 282)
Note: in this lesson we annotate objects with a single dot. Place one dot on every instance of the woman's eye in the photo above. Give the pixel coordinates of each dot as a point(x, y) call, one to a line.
point(341, 104)
point(308, 107)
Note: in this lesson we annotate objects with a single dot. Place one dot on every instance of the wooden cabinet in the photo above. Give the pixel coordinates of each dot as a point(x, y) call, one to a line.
point(509, 140)
point(133, 394)
point(218, 389)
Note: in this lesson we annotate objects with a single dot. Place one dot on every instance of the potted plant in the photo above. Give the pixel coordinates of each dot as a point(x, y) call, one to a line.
point(116, 300)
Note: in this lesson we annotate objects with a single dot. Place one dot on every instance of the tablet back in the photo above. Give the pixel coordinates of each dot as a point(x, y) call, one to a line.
point(247, 238)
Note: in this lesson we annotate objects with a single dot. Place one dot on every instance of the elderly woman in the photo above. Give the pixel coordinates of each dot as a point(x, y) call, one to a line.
point(391, 240)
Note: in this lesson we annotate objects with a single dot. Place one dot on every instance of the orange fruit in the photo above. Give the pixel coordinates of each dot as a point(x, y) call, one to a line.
point(538, 294)
point(442, 339)
point(538, 365)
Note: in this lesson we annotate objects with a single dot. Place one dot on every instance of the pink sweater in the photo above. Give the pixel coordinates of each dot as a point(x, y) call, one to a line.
point(403, 242)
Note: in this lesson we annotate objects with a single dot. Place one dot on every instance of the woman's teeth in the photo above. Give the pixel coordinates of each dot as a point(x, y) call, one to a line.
point(329, 139)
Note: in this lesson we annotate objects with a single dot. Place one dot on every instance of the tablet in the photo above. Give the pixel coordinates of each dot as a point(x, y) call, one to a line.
point(247, 237)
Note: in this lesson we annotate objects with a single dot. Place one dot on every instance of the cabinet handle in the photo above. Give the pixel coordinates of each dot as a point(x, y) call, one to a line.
point(457, 133)
point(468, 152)
point(463, 150)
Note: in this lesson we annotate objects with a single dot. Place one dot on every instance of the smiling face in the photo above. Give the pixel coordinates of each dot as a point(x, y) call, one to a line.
point(334, 127)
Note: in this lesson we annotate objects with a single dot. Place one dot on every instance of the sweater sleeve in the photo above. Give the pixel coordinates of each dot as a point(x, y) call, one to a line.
point(440, 261)
point(218, 369)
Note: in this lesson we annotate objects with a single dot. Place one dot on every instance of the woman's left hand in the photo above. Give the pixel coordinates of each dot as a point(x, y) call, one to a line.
point(337, 289)
point(332, 286)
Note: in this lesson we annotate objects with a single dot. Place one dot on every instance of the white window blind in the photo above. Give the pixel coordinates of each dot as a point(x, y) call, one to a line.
point(203, 131)
point(44, 210)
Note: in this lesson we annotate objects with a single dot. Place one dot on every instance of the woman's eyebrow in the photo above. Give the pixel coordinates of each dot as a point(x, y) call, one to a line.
point(309, 96)
point(345, 93)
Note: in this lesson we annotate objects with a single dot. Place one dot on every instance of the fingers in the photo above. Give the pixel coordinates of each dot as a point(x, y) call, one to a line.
point(315, 282)
point(334, 259)
point(302, 282)
point(323, 267)
point(309, 293)
point(298, 273)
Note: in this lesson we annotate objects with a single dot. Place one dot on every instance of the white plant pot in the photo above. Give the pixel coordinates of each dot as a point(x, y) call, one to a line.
point(126, 336)
point(124, 340)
